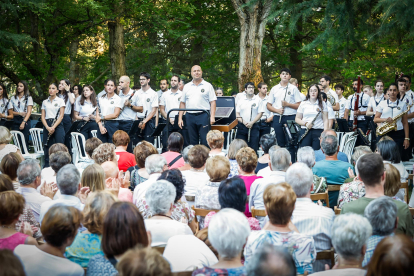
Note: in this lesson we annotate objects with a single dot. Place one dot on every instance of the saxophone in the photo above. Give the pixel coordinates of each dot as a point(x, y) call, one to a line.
point(385, 127)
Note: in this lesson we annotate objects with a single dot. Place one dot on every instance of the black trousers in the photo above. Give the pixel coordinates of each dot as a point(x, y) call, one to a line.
point(243, 133)
point(57, 137)
point(111, 126)
point(311, 139)
point(17, 121)
point(278, 127)
point(145, 134)
point(264, 127)
point(363, 125)
point(398, 137)
point(126, 125)
point(198, 125)
point(66, 122)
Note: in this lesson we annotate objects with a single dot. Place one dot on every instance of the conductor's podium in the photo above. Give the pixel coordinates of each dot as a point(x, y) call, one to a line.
point(225, 114)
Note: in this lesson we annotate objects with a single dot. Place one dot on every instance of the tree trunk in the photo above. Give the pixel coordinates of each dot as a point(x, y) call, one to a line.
point(73, 66)
point(116, 45)
point(253, 19)
point(295, 56)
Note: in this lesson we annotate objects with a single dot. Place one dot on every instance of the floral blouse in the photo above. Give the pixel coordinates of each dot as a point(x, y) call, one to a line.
point(234, 169)
point(206, 197)
point(253, 222)
point(180, 210)
point(350, 191)
point(28, 216)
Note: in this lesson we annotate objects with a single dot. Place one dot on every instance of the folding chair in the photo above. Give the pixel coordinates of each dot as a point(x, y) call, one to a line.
point(327, 255)
point(258, 212)
point(321, 196)
point(202, 213)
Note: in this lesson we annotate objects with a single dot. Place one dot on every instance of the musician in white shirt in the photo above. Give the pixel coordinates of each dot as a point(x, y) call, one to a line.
point(408, 98)
point(325, 81)
point(377, 98)
point(85, 110)
point(313, 117)
point(69, 99)
point(267, 117)
point(6, 109)
point(339, 90)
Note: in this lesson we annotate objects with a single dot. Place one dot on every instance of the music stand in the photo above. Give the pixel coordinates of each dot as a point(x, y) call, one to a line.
point(158, 130)
point(133, 131)
point(342, 125)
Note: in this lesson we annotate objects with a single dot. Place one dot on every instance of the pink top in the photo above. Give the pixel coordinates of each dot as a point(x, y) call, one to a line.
point(170, 156)
point(125, 194)
point(248, 180)
point(253, 222)
point(13, 241)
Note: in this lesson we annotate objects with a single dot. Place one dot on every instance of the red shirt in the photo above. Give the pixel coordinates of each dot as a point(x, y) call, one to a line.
point(125, 160)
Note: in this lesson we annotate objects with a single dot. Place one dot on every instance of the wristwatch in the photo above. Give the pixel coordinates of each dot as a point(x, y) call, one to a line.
point(407, 139)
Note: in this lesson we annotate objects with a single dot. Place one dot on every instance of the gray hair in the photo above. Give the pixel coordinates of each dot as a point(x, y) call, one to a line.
point(382, 214)
point(306, 155)
point(68, 179)
point(27, 171)
point(228, 231)
point(350, 232)
point(358, 152)
point(155, 163)
point(273, 149)
point(280, 159)
point(160, 196)
point(300, 178)
point(271, 260)
point(329, 145)
point(185, 153)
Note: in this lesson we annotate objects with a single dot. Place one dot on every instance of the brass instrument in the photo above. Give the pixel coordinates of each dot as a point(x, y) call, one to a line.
point(385, 127)
point(331, 99)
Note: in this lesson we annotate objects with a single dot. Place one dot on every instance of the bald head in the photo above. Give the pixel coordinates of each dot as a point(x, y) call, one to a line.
point(124, 82)
point(196, 72)
point(111, 169)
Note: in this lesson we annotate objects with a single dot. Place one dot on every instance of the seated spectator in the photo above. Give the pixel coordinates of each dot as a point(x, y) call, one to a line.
point(234, 147)
point(186, 166)
point(5, 146)
point(114, 182)
point(279, 163)
point(138, 174)
point(319, 154)
point(125, 159)
point(350, 233)
point(392, 183)
point(266, 142)
point(57, 161)
point(160, 198)
point(59, 228)
point(232, 194)
point(390, 154)
point(266, 171)
point(90, 145)
point(382, 215)
point(9, 165)
point(123, 229)
point(48, 172)
point(104, 152)
point(10, 264)
point(88, 243)
point(279, 200)
point(93, 176)
point(202, 235)
point(308, 217)
point(306, 155)
point(215, 141)
point(271, 260)
point(173, 155)
point(393, 256)
point(335, 171)
point(227, 233)
point(11, 207)
point(371, 172)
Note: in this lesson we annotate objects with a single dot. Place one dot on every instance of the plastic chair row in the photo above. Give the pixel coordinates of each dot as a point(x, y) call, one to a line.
point(19, 141)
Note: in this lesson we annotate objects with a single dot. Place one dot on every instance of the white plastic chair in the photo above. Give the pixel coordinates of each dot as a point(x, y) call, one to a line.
point(94, 133)
point(344, 139)
point(16, 134)
point(37, 135)
point(77, 139)
point(349, 147)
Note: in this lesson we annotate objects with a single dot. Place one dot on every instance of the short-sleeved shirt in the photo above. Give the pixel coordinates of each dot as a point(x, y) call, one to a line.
point(331, 113)
point(333, 94)
point(22, 106)
point(249, 108)
point(266, 112)
point(128, 114)
point(52, 107)
point(239, 96)
point(309, 111)
point(289, 93)
point(342, 105)
point(375, 101)
point(362, 104)
point(68, 105)
point(107, 106)
point(148, 100)
point(171, 100)
point(198, 96)
point(86, 109)
point(5, 105)
point(389, 109)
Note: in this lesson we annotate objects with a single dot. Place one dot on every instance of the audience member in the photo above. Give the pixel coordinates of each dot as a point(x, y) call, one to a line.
point(48, 171)
point(306, 155)
point(319, 154)
point(234, 147)
point(266, 171)
point(115, 183)
point(57, 161)
point(266, 142)
point(90, 145)
point(173, 156)
point(5, 146)
point(125, 159)
point(9, 165)
point(138, 174)
point(390, 154)
point(279, 200)
point(215, 141)
point(104, 152)
point(60, 226)
point(10, 264)
point(186, 166)
point(93, 177)
point(392, 183)
point(227, 233)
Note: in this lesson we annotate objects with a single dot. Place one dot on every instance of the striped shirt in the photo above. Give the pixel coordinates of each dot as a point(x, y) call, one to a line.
point(372, 243)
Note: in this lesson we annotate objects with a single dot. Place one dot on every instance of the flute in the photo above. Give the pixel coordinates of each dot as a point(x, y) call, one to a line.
point(280, 117)
point(251, 113)
point(54, 121)
point(79, 129)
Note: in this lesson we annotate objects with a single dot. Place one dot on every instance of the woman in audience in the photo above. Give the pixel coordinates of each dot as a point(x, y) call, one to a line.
point(47, 172)
point(90, 145)
point(59, 227)
point(266, 142)
point(88, 243)
point(392, 183)
point(393, 255)
point(234, 147)
point(5, 146)
point(123, 229)
point(279, 200)
point(138, 174)
point(93, 176)
point(390, 154)
point(160, 199)
point(125, 159)
point(9, 165)
point(173, 155)
point(247, 161)
point(232, 194)
point(105, 152)
point(227, 233)
point(181, 211)
point(306, 155)
point(56, 161)
point(186, 166)
point(10, 264)
point(215, 140)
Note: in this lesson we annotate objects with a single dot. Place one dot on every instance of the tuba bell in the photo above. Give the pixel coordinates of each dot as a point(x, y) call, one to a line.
point(331, 99)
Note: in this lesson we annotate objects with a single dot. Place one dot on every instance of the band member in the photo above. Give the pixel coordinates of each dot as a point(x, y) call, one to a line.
point(284, 100)
point(339, 90)
point(69, 98)
point(6, 108)
point(22, 104)
point(377, 98)
point(265, 122)
point(163, 88)
point(77, 90)
point(109, 107)
point(325, 81)
point(198, 94)
point(219, 92)
point(313, 117)
point(53, 109)
point(249, 111)
point(407, 97)
point(386, 111)
point(331, 113)
point(85, 110)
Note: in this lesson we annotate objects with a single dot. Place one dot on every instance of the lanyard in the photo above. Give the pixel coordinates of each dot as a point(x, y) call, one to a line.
point(392, 107)
point(379, 100)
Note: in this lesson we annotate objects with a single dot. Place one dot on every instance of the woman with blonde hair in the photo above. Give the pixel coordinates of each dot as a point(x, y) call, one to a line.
point(93, 176)
point(5, 146)
point(215, 141)
point(231, 155)
point(392, 183)
point(105, 152)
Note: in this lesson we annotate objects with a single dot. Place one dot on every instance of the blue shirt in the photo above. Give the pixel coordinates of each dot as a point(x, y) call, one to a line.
point(83, 248)
point(319, 156)
point(372, 243)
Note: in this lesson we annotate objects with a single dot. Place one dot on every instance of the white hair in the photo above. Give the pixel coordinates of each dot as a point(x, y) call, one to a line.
point(381, 214)
point(160, 196)
point(300, 178)
point(280, 159)
point(306, 155)
point(68, 179)
point(350, 232)
point(228, 231)
point(155, 163)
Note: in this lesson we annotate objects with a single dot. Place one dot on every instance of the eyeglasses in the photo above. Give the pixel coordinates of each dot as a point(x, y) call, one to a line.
point(250, 87)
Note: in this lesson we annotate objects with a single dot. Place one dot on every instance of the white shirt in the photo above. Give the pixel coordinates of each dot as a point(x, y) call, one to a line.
point(331, 113)
point(198, 96)
point(333, 94)
point(362, 105)
point(5, 106)
point(148, 100)
point(302, 96)
point(240, 96)
point(184, 252)
point(170, 101)
point(162, 230)
point(249, 108)
point(107, 106)
point(68, 105)
point(15, 103)
point(264, 172)
point(39, 263)
point(391, 109)
point(309, 111)
point(66, 200)
point(342, 105)
point(34, 200)
point(374, 101)
point(289, 93)
point(266, 112)
point(128, 114)
point(141, 189)
point(194, 180)
point(51, 108)
point(86, 109)
point(408, 99)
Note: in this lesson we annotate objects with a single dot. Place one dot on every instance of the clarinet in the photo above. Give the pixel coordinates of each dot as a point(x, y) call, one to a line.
point(356, 105)
point(129, 99)
point(280, 117)
point(54, 121)
point(100, 112)
point(79, 129)
point(248, 135)
point(307, 129)
point(145, 116)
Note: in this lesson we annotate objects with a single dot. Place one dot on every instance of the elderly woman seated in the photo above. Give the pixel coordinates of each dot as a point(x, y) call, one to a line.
point(306, 155)
point(160, 199)
point(227, 233)
point(215, 140)
point(186, 166)
point(350, 233)
point(138, 173)
point(105, 152)
point(234, 147)
point(279, 200)
point(392, 183)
